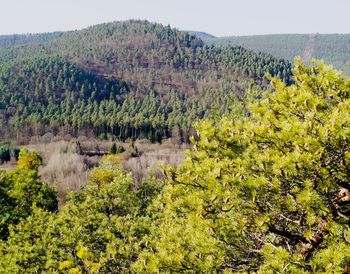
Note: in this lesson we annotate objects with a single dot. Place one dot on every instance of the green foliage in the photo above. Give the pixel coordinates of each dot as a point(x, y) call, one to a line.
point(266, 192)
point(113, 149)
point(120, 149)
point(5, 153)
point(29, 160)
point(21, 190)
point(124, 79)
point(332, 48)
point(97, 231)
point(265, 189)
point(116, 149)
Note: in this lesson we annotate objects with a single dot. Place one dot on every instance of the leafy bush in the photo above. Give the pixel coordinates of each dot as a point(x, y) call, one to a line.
point(5, 154)
point(120, 149)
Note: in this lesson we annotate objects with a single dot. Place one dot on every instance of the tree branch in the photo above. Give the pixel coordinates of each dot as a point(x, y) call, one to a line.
point(293, 237)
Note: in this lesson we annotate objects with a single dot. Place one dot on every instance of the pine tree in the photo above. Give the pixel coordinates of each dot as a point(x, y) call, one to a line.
point(113, 149)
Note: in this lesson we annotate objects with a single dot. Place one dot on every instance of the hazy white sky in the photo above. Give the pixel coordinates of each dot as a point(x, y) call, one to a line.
point(218, 17)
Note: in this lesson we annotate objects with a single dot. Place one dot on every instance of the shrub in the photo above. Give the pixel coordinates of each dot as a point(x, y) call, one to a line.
point(5, 153)
point(120, 149)
point(113, 149)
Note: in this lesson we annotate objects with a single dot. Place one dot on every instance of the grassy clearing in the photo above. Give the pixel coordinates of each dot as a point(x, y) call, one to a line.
point(66, 167)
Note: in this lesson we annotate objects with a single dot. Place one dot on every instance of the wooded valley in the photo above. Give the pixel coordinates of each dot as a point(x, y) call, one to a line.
point(133, 147)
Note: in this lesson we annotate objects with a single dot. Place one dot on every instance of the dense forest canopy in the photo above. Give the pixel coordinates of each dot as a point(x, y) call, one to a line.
point(332, 48)
point(265, 189)
point(123, 79)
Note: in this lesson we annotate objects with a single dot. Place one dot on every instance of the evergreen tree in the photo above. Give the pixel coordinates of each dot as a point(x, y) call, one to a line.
point(113, 149)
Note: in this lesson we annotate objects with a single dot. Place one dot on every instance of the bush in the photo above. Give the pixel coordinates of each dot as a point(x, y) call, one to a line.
point(5, 153)
point(113, 149)
point(16, 152)
point(120, 149)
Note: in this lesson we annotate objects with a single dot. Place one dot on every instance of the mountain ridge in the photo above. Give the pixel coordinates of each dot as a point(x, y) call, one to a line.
point(334, 48)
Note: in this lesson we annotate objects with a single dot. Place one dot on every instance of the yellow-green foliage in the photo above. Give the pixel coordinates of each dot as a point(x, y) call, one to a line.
point(265, 192)
point(96, 231)
point(29, 160)
point(21, 190)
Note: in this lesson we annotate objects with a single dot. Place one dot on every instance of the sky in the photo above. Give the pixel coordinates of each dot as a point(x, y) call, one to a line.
point(218, 17)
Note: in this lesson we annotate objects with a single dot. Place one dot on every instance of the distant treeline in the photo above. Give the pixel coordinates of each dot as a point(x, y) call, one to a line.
point(334, 49)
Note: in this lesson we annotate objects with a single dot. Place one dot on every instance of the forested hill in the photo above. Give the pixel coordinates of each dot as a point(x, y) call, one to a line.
point(332, 48)
point(127, 79)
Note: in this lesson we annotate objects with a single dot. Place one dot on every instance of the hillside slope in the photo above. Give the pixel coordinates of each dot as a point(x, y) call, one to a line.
point(127, 79)
point(332, 48)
